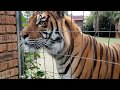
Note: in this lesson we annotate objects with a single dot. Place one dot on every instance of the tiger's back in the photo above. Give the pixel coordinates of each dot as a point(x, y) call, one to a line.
point(97, 60)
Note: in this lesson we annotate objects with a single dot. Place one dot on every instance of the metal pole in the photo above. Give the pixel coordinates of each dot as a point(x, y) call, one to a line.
point(20, 57)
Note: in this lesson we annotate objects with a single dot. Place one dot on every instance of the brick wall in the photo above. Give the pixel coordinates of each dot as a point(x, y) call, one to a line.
point(79, 23)
point(8, 45)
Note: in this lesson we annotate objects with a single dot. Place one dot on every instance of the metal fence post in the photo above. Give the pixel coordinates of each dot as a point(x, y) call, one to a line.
point(20, 55)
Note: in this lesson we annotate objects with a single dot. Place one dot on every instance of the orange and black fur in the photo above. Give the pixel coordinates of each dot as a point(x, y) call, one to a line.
point(78, 56)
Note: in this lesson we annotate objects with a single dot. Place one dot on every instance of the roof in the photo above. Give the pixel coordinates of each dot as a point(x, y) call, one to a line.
point(77, 17)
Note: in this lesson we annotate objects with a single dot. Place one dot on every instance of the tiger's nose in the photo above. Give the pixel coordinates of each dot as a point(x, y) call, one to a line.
point(25, 36)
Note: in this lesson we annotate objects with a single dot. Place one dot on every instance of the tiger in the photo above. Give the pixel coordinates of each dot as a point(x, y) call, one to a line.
point(77, 55)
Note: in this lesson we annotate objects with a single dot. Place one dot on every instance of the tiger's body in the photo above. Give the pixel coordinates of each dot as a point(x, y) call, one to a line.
point(78, 56)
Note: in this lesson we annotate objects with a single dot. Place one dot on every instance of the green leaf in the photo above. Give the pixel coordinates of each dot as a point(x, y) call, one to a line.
point(40, 73)
point(23, 19)
point(36, 55)
point(32, 68)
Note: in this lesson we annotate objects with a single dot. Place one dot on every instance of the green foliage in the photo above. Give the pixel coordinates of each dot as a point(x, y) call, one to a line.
point(32, 67)
point(106, 20)
point(89, 20)
point(111, 15)
point(88, 24)
point(31, 55)
point(24, 21)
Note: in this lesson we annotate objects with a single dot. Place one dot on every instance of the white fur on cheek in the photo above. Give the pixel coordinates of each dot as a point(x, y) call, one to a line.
point(28, 49)
point(57, 47)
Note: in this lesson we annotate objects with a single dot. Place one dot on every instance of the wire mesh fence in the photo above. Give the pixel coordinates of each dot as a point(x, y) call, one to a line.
point(41, 65)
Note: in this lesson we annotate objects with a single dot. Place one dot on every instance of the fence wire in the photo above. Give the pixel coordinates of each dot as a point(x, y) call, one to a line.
point(48, 63)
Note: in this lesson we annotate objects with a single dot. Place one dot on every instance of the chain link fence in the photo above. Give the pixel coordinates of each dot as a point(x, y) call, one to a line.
point(40, 64)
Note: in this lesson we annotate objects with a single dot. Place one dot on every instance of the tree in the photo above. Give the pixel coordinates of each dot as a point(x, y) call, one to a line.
point(117, 27)
point(96, 22)
point(113, 16)
point(27, 14)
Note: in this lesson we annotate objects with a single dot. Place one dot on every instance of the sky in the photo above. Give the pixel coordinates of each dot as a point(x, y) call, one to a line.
point(86, 13)
point(75, 13)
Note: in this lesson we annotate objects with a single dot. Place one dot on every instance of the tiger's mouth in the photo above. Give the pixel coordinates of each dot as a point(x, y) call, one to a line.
point(35, 44)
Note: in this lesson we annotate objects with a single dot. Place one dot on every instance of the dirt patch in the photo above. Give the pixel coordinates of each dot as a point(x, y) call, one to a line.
point(48, 65)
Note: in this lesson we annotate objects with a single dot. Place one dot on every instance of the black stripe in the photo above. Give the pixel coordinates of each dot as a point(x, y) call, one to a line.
point(117, 59)
point(49, 36)
point(51, 24)
point(51, 29)
point(45, 34)
point(112, 65)
point(55, 21)
point(116, 54)
point(57, 29)
point(61, 56)
point(94, 62)
point(80, 57)
point(101, 54)
point(66, 53)
point(69, 53)
point(58, 39)
point(110, 56)
point(68, 66)
point(67, 25)
point(106, 62)
point(90, 49)
point(81, 70)
point(81, 60)
point(67, 57)
point(95, 51)
point(71, 46)
point(45, 19)
point(66, 70)
point(70, 49)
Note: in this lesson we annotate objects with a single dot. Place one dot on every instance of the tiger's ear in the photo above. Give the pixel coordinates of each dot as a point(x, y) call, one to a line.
point(60, 14)
point(35, 13)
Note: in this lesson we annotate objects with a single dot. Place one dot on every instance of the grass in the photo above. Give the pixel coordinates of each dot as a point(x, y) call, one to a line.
point(105, 40)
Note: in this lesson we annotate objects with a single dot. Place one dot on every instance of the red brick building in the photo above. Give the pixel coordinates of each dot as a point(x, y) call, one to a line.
point(8, 46)
point(78, 20)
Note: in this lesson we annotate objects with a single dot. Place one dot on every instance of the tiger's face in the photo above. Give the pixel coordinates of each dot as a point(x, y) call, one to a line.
point(44, 30)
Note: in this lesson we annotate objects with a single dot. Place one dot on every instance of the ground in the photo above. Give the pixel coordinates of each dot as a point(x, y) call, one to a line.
point(48, 65)
point(106, 40)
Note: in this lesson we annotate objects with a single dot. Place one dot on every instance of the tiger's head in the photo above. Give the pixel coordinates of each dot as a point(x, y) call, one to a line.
point(50, 29)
